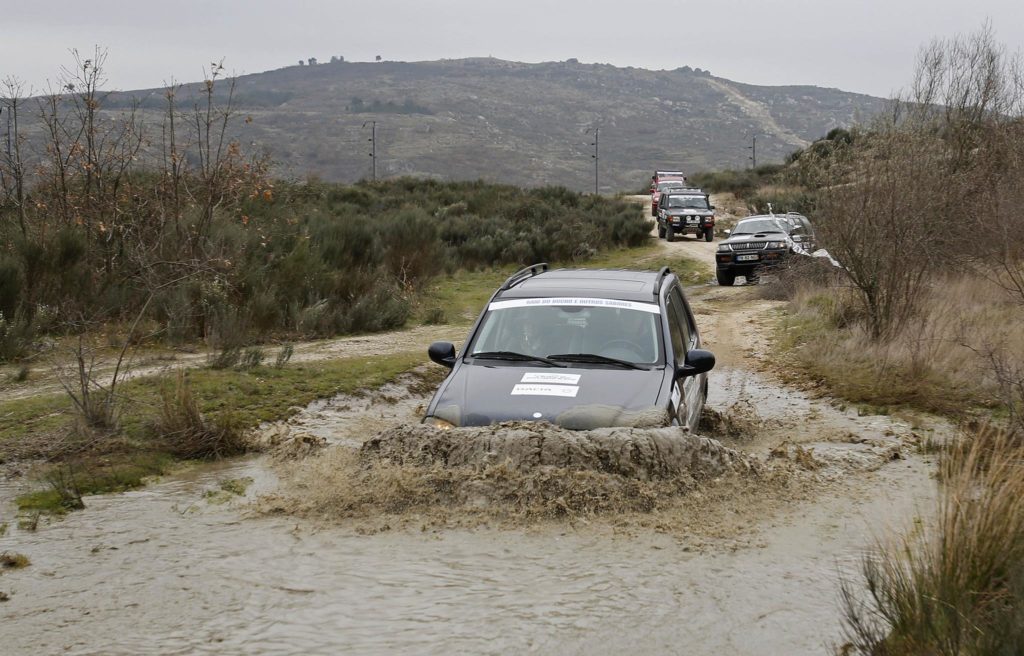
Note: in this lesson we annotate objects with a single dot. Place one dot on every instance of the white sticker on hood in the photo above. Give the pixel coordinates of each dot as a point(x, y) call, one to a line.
point(545, 390)
point(558, 379)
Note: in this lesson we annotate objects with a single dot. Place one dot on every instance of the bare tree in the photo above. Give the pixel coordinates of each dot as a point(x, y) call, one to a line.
point(12, 166)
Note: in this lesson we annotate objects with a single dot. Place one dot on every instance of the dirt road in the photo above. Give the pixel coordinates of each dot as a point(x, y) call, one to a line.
point(182, 567)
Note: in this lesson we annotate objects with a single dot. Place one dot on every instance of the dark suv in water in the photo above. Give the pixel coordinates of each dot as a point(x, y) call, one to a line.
point(579, 348)
point(756, 243)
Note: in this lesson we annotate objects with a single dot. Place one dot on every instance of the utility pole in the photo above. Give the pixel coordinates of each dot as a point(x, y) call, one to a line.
point(373, 145)
point(753, 151)
point(596, 155)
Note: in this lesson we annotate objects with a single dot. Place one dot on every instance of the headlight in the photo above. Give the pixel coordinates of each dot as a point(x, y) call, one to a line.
point(724, 248)
point(437, 422)
point(776, 244)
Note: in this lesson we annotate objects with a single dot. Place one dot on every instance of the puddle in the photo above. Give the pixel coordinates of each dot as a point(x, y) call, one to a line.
point(166, 570)
point(141, 573)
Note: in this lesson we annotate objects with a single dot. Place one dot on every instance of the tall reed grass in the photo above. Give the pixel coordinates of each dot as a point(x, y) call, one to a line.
point(956, 585)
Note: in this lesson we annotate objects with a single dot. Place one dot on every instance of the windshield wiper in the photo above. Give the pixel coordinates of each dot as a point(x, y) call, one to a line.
point(595, 359)
point(516, 357)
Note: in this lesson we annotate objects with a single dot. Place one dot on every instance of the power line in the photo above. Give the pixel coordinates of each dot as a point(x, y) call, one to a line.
point(596, 144)
point(373, 145)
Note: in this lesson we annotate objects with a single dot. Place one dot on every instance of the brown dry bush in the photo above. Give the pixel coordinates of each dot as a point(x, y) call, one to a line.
point(955, 586)
point(943, 361)
point(930, 187)
point(923, 211)
point(184, 432)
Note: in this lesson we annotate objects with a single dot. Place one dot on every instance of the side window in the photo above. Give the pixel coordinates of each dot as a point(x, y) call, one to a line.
point(685, 320)
point(676, 332)
point(679, 326)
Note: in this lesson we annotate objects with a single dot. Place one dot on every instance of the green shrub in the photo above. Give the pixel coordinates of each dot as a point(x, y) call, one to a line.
point(318, 260)
point(10, 286)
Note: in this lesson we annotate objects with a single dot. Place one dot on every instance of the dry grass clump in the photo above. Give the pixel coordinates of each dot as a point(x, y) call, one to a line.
point(185, 433)
point(957, 585)
point(943, 362)
point(12, 560)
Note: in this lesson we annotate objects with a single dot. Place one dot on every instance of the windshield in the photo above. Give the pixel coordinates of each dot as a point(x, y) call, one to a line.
point(754, 226)
point(672, 184)
point(614, 329)
point(688, 202)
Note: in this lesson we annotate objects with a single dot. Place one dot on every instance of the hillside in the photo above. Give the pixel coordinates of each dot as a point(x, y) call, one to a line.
point(522, 123)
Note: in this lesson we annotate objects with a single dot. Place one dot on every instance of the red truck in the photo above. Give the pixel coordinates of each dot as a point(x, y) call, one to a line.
point(664, 181)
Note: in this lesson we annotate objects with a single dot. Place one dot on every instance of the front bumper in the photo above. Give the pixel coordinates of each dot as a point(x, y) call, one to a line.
point(748, 260)
point(691, 223)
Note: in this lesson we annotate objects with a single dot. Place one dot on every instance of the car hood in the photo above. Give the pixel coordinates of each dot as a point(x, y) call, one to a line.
point(478, 395)
point(760, 236)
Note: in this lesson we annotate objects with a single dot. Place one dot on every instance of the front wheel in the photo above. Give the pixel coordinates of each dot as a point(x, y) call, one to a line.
point(709, 234)
point(670, 233)
point(725, 278)
point(661, 231)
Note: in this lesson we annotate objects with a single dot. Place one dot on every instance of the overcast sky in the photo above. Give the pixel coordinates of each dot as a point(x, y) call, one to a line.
point(867, 46)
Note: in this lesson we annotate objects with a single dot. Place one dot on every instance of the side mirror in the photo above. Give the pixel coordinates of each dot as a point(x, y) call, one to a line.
point(443, 353)
point(728, 232)
point(698, 361)
point(711, 207)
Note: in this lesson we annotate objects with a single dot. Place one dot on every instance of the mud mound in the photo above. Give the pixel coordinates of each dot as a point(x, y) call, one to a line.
point(739, 422)
point(642, 454)
point(340, 484)
point(284, 443)
point(506, 471)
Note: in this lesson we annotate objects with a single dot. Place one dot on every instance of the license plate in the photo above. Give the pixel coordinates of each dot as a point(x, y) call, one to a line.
point(747, 258)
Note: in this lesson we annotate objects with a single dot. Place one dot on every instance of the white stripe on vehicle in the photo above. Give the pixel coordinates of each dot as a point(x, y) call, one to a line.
point(574, 302)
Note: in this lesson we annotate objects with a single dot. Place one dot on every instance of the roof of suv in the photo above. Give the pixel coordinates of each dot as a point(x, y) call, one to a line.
point(588, 283)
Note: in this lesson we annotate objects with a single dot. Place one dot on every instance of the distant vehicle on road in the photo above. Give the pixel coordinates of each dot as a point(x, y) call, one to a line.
point(579, 348)
point(664, 187)
point(756, 243)
point(686, 211)
point(663, 181)
point(665, 176)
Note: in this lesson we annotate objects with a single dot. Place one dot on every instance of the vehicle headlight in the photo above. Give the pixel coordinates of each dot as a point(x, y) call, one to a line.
point(437, 422)
point(776, 244)
point(724, 248)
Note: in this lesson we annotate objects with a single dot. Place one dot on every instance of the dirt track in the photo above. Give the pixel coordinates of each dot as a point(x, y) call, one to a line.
point(742, 568)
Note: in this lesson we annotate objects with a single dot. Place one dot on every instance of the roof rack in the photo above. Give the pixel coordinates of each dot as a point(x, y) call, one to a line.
point(523, 274)
point(662, 274)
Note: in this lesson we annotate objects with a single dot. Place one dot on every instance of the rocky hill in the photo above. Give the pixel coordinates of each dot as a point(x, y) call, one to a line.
point(523, 123)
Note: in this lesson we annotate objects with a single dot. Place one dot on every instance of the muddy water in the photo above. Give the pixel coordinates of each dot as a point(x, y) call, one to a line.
point(163, 571)
point(167, 570)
